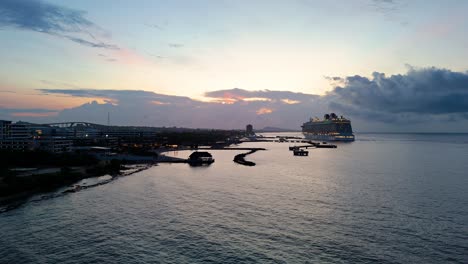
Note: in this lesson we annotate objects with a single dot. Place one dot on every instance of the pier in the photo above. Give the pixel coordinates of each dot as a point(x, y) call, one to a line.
point(312, 145)
point(240, 158)
point(222, 148)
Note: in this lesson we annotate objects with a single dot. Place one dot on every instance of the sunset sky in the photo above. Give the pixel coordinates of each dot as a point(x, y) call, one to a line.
point(387, 64)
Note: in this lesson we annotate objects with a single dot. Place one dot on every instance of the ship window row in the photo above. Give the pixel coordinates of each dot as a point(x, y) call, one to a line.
point(328, 128)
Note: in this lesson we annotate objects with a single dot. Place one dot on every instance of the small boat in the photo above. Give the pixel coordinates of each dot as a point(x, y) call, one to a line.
point(292, 148)
point(200, 158)
point(300, 152)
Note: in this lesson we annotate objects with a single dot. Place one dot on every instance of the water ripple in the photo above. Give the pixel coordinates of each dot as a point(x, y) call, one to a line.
point(360, 203)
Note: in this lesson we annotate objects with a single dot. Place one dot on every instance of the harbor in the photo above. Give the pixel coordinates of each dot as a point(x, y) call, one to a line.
point(233, 132)
point(298, 150)
point(297, 192)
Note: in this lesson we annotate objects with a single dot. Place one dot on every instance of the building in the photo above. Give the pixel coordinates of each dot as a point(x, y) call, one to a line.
point(16, 144)
point(249, 130)
point(15, 137)
point(54, 144)
point(4, 129)
point(19, 131)
point(22, 136)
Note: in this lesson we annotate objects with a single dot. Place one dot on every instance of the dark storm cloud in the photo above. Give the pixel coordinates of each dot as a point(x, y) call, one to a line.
point(424, 91)
point(416, 95)
point(43, 17)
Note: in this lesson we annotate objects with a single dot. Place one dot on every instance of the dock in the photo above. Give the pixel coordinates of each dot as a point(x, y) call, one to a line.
point(300, 152)
point(221, 148)
point(240, 159)
point(313, 145)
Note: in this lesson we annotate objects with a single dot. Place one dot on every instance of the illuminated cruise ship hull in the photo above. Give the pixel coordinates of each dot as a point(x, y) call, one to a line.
point(311, 136)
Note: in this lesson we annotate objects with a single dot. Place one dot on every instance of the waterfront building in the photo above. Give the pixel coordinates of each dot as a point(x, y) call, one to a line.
point(54, 144)
point(4, 129)
point(17, 144)
point(15, 137)
point(19, 131)
point(22, 136)
point(249, 130)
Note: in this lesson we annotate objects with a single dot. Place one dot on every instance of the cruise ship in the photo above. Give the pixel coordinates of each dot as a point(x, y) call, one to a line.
point(331, 128)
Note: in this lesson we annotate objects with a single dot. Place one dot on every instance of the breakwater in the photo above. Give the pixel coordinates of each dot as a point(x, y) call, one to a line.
point(223, 148)
point(240, 158)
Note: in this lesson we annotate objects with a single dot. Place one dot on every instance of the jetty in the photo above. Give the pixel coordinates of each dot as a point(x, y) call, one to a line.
point(222, 148)
point(313, 145)
point(240, 158)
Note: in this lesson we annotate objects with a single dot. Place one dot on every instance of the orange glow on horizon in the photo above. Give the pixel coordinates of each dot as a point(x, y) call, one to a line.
point(288, 101)
point(159, 103)
point(45, 101)
point(32, 114)
point(254, 99)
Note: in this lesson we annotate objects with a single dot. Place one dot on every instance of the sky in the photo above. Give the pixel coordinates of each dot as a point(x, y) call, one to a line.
point(388, 65)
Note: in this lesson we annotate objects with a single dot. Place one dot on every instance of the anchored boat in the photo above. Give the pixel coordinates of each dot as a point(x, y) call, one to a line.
point(200, 158)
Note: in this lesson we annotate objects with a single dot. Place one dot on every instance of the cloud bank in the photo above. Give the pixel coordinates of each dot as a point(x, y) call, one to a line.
point(153, 109)
point(418, 95)
point(428, 99)
point(43, 17)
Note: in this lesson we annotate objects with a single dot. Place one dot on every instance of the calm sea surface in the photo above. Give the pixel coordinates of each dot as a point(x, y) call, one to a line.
point(386, 198)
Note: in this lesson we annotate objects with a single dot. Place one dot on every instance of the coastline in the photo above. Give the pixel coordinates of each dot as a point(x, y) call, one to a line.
point(21, 184)
point(25, 187)
point(18, 186)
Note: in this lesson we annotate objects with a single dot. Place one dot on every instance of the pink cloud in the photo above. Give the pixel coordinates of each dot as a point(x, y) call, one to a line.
point(288, 101)
point(264, 110)
point(159, 102)
point(130, 57)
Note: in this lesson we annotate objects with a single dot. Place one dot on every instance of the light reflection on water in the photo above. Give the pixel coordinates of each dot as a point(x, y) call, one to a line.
point(382, 199)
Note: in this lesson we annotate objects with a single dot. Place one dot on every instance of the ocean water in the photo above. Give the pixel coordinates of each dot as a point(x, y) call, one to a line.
point(385, 198)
